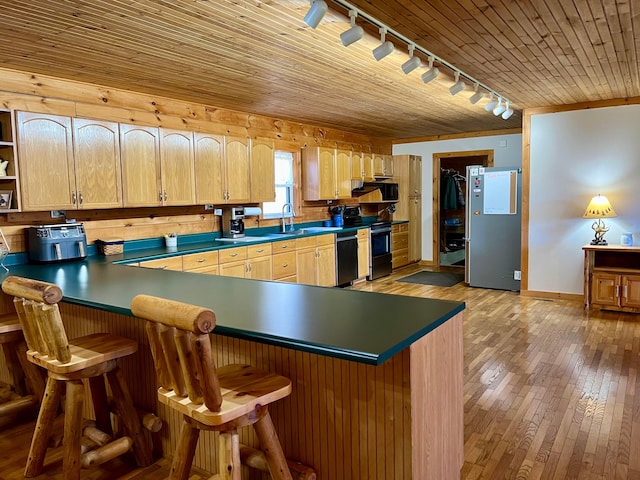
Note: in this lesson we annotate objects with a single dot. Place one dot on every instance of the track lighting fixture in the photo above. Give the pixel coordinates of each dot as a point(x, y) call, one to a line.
point(508, 112)
point(497, 104)
point(355, 33)
point(316, 13)
point(458, 85)
point(491, 104)
point(477, 96)
point(499, 108)
point(385, 47)
point(431, 73)
point(413, 62)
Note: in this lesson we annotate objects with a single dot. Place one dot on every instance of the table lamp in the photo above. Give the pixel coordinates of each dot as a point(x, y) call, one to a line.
point(599, 207)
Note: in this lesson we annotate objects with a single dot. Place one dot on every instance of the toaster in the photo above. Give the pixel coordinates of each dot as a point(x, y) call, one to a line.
point(57, 243)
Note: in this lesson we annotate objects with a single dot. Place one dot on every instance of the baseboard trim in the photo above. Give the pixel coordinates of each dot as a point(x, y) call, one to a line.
point(553, 295)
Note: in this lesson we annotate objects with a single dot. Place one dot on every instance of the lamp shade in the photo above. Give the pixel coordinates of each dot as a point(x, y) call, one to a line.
point(599, 207)
point(316, 13)
point(352, 35)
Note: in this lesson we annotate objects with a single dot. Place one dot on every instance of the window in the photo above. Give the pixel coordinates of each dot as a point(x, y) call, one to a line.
point(284, 186)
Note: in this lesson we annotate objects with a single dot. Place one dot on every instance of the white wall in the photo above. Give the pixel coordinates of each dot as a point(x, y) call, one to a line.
point(507, 153)
point(574, 156)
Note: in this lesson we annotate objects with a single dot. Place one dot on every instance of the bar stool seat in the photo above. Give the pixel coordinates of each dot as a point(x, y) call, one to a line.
point(223, 399)
point(94, 359)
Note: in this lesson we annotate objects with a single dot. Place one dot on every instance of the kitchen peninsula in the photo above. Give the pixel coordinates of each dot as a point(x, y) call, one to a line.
point(377, 379)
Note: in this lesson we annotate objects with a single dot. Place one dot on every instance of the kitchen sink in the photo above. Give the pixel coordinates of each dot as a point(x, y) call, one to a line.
point(303, 231)
point(240, 239)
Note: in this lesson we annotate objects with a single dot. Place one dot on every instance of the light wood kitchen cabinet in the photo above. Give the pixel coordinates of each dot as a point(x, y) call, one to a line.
point(168, 263)
point(177, 172)
point(316, 260)
point(237, 170)
point(415, 229)
point(259, 262)
point(233, 262)
point(369, 170)
point(363, 252)
point(263, 180)
point(326, 173)
point(10, 181)
point(612, 277)
point(204, 262)
point(382, 165)
point(357, 166)
point(400, 245)
point(45, 150)
point(284, 260)
point(415, 176)
point(140, 152)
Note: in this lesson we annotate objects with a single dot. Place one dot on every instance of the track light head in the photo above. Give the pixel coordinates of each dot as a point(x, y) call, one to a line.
point(491, 104)
point(413, 62)
point(316, 13)
point(458, 86)
point(500, 108)
point(354, 34)
point(385, 48)
point(477, 96)
point(431, 73)
point(508, 112)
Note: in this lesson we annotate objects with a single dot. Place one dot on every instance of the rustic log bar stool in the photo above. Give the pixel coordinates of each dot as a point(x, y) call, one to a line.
point(92, 358)
point(222, 399)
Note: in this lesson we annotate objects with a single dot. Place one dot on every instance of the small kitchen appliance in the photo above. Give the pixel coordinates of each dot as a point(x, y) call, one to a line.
point(56, 243)
point(233, 222)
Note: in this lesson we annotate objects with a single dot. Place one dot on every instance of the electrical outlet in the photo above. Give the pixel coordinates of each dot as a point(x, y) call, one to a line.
point(58, 213)
point(209, 206)
point(516, 274)
point(218, 211)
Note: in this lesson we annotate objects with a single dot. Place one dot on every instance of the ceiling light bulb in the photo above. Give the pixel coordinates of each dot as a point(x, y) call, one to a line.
point(492, 103)
point(316, 13)
point(458, 86)
point(508, 112)
point(499, 108)
point(431, 73)
point(385, 48)
point(413, 62)
point(354, 34)
point(477, 96)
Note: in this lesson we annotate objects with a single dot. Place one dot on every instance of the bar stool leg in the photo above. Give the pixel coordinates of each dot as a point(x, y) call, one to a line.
point(72, 430)
point(229, 465)
point(272, 449)
point(130, 422)
point(100, 404)
point(42, 432)
point(185, 450)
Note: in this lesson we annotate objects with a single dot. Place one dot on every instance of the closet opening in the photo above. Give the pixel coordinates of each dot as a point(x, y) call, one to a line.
point(449, 204)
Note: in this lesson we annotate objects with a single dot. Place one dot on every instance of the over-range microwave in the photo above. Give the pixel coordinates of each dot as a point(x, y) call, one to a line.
point(389, 191)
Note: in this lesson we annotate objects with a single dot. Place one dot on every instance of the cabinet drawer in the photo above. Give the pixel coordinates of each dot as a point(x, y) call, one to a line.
point(326, 239)
point(283, 246)
point(284, 265)
point(306, 242)
point(199, 260)
point(402, 227)
point(399, 241)
point(400, 258)
point(169, 263)
point(260, 250)
point(232, 254)
point(363, 233)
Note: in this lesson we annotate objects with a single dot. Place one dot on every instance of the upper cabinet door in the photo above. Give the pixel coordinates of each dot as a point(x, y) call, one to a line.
point(177, 167)
point(343, 174)
point(209, 168)
point(45, 152)
point(263, 188)
point(367, 163)
point(357, 167)
point(238, 170)
point(140, 152)
point(96, 147)
point(415, 175)
point(327, 174)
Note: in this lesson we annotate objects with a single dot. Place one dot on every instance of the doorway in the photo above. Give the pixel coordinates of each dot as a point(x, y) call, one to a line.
point(449, 204)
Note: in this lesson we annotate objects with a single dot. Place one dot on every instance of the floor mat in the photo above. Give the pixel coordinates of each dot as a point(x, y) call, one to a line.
point(441, 279)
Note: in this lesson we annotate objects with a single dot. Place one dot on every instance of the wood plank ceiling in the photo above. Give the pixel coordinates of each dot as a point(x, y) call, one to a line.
point(258, 56)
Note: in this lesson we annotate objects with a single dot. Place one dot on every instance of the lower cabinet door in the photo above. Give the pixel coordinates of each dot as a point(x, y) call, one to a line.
point(234, 269)
point(631, 291)
point(306, 266)
point(327, 265)
point(260, 268)
point(605, 289)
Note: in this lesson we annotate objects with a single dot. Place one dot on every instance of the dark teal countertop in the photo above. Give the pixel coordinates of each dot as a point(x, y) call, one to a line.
point(359, 326)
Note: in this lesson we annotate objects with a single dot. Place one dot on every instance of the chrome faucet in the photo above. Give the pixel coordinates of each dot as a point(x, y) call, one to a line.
point(293, 214)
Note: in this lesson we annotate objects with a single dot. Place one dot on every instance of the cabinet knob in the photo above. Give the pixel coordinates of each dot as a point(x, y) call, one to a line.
point(74, 198)
point(81, 198)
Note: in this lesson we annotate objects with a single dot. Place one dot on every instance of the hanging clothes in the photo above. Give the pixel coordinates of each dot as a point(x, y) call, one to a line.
point(448, 193)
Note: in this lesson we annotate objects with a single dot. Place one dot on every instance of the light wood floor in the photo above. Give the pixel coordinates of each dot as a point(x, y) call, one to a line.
point(551, 391)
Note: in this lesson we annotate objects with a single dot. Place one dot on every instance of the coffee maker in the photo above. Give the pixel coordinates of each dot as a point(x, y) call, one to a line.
point(232, 222)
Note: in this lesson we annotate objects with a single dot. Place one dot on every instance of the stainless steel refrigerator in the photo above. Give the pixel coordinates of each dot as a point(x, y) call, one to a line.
point(493, 227)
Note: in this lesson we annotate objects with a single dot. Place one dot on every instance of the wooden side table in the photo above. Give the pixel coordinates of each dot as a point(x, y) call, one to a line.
point(612, 277)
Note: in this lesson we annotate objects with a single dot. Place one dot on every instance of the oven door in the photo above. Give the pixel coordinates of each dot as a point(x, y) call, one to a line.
point(380, 264)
